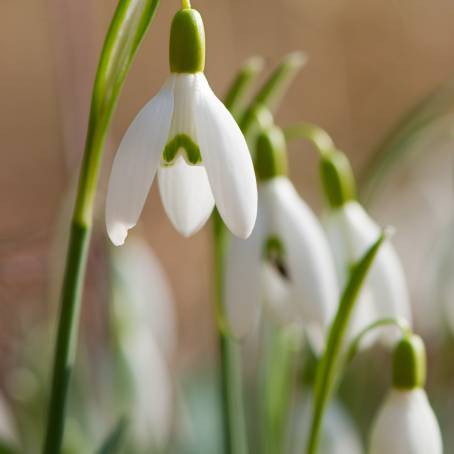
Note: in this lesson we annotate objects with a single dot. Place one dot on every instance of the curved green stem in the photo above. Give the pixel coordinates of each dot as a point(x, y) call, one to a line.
point(314, 134)
point(329, 363)
point(185, 4)
point(131, 20)
point(399, 323)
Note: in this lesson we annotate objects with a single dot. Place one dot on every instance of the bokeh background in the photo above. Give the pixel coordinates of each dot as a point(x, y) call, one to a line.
point(370, 63)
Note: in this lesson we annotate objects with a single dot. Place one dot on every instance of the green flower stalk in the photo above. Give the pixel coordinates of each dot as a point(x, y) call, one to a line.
point(130, 22)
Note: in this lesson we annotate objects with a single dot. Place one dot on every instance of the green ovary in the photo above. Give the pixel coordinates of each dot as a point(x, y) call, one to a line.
point(182, 141)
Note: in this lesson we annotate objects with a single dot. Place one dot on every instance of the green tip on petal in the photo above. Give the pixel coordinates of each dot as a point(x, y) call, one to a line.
point(409, 363)
point(271, 154)
point(187, 42)
point(337, 178)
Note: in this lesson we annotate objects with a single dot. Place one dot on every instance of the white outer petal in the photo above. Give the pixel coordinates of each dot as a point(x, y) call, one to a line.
point(136, 162)
point(186, 195)
point(406, 424)
point(243, 279)
point(310, 264)
point(351, 232)
point(227, 160)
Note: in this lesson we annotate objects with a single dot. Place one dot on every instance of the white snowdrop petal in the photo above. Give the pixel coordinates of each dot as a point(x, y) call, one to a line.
point(406, 424)
point(227, 160)
point(186, 195)
point(184, 91)
point(243, 280)
point(136, 162)
point(310, 264)
point(351, 232)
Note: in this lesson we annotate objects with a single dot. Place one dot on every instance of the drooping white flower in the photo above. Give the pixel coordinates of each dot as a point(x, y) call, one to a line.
point(144, 329)
point(406, 423)
point(350, 232)
point(286, 262)
point(187, 136)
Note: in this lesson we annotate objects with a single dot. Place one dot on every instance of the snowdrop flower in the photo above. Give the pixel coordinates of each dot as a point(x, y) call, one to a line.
point(144, 327)
point(286, 261)
point(188, 137)
point(406, 423)
point(351, 232)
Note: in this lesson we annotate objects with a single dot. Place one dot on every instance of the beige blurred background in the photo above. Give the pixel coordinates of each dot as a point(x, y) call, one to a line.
point(369, 62)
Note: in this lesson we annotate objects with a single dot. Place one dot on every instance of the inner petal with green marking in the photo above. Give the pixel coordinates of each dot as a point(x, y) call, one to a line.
point(181, 143)
point(274, 253)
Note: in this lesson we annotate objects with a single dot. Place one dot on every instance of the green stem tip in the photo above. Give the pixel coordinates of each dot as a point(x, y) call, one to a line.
point(185, 4)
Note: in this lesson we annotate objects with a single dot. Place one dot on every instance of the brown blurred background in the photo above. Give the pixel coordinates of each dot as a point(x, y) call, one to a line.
point(369, 62)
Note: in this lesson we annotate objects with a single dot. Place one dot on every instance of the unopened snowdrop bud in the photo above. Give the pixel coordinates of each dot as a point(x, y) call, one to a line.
point(188, 137)
point(406, 423)
point(351, 232)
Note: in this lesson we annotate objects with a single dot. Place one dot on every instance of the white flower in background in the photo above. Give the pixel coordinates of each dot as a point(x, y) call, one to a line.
point(406, 423)
point(144, 327)
point(351, 232)
point(190, 139)
point(286, 262)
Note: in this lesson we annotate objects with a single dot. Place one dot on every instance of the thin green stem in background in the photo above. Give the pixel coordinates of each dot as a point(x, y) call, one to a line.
point(327, 370)
point(235, 438)
point(130, 22)
point(278, 378)
point(314, 134)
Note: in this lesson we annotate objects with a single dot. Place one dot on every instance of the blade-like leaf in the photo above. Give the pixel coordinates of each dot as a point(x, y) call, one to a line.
point(127, 29)
point(245, 77)
point(131, 20)
point(433, 108)
point(273, 89)
point(327, 370)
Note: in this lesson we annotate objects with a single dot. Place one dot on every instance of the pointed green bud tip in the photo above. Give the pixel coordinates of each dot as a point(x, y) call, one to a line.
point(271, 154)
point(409, 363)
point(337, 178)
point(187, 42)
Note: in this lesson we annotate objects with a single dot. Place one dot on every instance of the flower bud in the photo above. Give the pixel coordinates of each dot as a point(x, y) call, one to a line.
point(337, 178)
point(271, 154)
point(187, 42)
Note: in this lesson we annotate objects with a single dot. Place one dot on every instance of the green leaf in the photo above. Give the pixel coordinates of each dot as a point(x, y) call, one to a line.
point(328, 367)
point(114, 441)
point(243, 80)
point(274, 88)
point(400, 141)
point(129, 24)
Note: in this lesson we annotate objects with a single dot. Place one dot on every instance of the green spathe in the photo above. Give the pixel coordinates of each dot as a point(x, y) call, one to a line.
point(337, 178)
point(409, 363)
point(187, 42)
point(271, 154)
